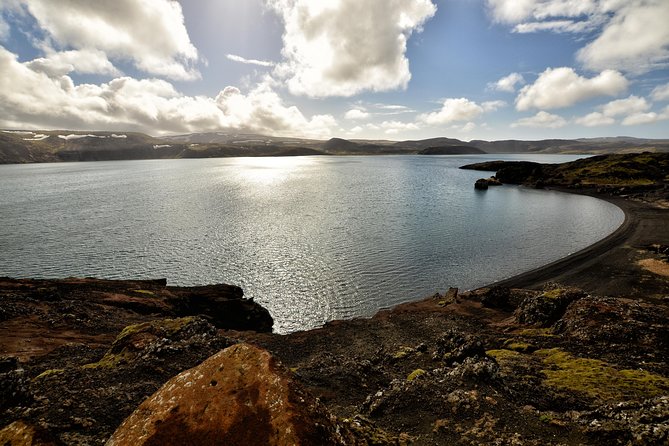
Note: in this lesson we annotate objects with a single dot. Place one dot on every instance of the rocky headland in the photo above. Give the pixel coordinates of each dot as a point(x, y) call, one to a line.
point(573, 353)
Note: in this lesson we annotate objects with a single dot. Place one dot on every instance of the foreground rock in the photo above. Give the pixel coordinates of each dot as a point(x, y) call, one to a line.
point(501, 366)
point(238, 396)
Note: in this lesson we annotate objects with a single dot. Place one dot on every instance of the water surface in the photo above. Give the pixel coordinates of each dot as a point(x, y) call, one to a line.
point(311, 238)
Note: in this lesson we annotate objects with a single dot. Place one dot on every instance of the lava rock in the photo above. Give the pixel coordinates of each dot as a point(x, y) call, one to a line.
point(241, 395)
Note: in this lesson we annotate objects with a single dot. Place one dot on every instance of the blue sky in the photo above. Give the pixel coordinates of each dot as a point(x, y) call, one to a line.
point(377, 69)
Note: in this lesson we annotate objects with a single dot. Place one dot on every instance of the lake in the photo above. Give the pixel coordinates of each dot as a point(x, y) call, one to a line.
point(311, 238)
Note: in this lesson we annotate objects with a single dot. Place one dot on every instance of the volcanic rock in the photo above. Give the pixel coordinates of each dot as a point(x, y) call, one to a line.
point(241, 395)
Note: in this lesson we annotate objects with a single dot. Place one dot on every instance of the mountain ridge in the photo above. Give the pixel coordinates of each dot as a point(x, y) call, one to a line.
point(33, 146)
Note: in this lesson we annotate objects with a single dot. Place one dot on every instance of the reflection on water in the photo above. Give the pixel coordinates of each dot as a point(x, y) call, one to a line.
point(311, 238)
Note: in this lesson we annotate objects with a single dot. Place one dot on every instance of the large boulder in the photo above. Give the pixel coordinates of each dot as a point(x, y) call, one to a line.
point(239, 396)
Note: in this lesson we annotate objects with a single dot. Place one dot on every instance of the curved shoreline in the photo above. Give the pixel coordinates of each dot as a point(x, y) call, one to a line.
point(573, 265)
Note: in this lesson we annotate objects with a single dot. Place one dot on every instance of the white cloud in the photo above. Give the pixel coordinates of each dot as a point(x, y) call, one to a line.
point(646, 118)
point(150, 33)
point(491, 106)
point(636, 39)
point(510, 11)
point(631, 105)
point(453, 110)
point(33, 98)
point(660, 93)
point(340, 48)
point(468, 127)
point(562, 87)
point(393, 107)
point(394, 127)
point(595, 119)
point(629, 35)
point(634, 108)
point(356, 114)
point(542, 120)
point(4, 28)
point(508, 83)
point(240, 59)
point(81, 61)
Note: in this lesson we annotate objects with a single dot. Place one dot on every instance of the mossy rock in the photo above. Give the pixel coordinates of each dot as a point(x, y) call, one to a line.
point(402, 353)
point(415, 374)
point(598, 379)
point(133, 339)
point(49, 372)
point(521, 347)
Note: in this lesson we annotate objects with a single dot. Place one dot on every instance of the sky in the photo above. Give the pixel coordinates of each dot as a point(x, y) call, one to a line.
point(356, 69)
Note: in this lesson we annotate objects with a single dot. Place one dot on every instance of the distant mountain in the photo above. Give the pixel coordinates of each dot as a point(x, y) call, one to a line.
point(19, 146)
point(431, 142)
point(451, 150)
point(583, 145)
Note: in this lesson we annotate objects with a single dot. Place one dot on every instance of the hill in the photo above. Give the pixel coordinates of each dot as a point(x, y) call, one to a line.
point(22, 146)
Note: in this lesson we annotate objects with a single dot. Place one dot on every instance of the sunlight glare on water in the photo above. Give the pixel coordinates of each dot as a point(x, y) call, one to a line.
point(311, 238)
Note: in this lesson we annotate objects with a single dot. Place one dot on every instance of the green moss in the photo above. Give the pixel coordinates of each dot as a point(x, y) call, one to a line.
point(522, 347)
point(415, 374)
point(554, 293)
point(150, 293)
point(503, 354)
point(598, 379)
point(49, 372)
point(117, 354)
point(170, 326)
point(403, 352)
point(535, 332)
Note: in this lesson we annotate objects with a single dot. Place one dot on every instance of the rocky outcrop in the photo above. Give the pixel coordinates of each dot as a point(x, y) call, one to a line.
point(546, 308)
point(240, 396)
point(52, 313)
point(483, 183)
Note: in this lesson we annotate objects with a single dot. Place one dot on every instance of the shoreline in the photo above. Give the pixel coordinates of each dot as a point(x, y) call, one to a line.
point(572, 262)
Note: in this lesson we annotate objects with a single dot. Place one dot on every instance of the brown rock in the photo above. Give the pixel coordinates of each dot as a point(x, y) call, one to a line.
point(239, 396)
point(21, 434)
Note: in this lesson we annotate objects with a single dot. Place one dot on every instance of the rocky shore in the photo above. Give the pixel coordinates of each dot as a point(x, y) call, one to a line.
point(574, 353)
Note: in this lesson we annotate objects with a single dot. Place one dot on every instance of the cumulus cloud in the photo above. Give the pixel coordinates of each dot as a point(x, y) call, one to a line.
point(240, 59)
point(508, 83)
point(342, 48)
point(595, 119)
point(636, 39)
point(81, 61)
point(468, 127)
point(629, 35)
point(562, 87)
point(150, 33)
point(660, 93)
point(394, 127)
point(542, 120)
point(491, 106)
point(633, 108)
point(356, 114)
point(34, 97)
point(632, 104)
point(453, 110)
point(640, 118)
